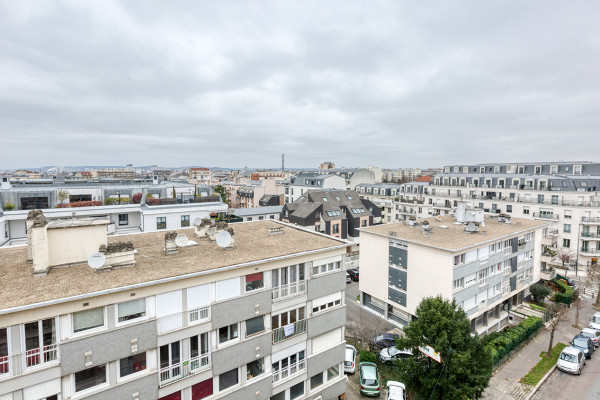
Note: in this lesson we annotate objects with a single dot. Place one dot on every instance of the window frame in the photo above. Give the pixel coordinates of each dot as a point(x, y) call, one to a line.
point(89, 330)
point(230, 339)
point(81, 393)
point(184, 221)
point(123, 221)
point(159, 224)
point(246, 290)
point(237, 370)
point(264, 369)
point(264, 327)
point(135, 374)
point(146, 315)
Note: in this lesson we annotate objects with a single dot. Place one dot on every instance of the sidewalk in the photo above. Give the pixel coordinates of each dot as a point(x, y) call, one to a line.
point(505, 383)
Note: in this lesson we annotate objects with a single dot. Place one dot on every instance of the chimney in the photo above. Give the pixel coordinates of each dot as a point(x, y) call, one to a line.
point(37, 237)
point(202, 228)
point(170, 246)
point(118, 255)
point(155, 180)
point(5, 183)
point(459, 214)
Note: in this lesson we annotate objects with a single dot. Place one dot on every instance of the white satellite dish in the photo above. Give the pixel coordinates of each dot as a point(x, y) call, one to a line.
point(197, 221)
point(224, 239)
point(181, 240)
point(96, 260)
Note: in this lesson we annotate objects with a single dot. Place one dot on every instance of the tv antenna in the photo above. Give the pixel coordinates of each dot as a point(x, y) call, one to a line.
point(224, 239)
point(181, 240)
point(96, 260)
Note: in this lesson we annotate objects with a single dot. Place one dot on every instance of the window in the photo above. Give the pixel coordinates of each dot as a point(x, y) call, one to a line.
point(335, 228)
point(567, 228)
point(40, 342)
point(288, 317)
point(289, 366)
point(325, 199)
point(459, 259)
point(288, 281)
point(333, 372)
point(458, 283)
point(88, 378)
point(249, 219)
point(255, 368)
point(322, 268)
point(333, 213)
point(567, 243)
point(132, 364)
point(4, 367)
point(88, 319)
point(228, 379)
point(202, 390)
point(470, 279)
point(508, 208)
point(326, 302)
point(169, 358)
point(358, 210)
point(123, 219)
point(131, 310)
point(363, 223)
point(161, 222)
point(255, 325)
point(185, 220)
point(228, 333)
point(526, 210)
point(272, 216)
point(568, 214)
point(316, 380)
point(349, 197)
point(254, 282)
point(297, 391)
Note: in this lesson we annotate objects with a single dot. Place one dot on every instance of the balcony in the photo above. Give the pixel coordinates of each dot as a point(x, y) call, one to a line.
point(591, 252)
point(545, 216)
point(180, 320)
point(549, 240)
point(181, 370)
point(289, 331)
point(590, 219)
point(553, 232)
point(483, 281)
point(32, 358)
point(288, 371)
point(548, 275)
point(591, 235)
point(291, 289)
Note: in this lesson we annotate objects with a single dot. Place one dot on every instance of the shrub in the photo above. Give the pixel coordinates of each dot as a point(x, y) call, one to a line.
point(566, 292)
point(536, 307)
point(91, 203)
point(9, 206)
point(367, 356)
point(511, 337)
point(137, 198)
point(115, 200)
point(539, 292)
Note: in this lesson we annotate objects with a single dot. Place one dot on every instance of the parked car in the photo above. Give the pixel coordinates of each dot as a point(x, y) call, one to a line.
point(571, 360)
point(369, 379)
point(348, 279)
point(593, 334)
point(584, 344)
point(384, 340)
point(350, 360)
point(390, 354)
point(595, 321)
point(353, 274)
point(396, 391)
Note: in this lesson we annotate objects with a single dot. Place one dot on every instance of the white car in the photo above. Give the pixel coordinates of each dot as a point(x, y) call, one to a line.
point(350, 360)
point(396, 391)
point(593, 334)
point(571, 360)
point(595, 321)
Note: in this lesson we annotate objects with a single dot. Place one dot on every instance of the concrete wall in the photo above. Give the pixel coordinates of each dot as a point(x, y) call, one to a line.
point(146, 387)
point(250, 391)
point(241, 353)
point(326, 284)
point(66, 246)
point(240, 309)
point(326, 321)
point(321, 361)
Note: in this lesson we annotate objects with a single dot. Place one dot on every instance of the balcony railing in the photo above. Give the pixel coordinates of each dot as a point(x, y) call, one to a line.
point(11, 364)
point(590, 235)
point(289, 331)
point(289, 370)
point(291, 289)
point(198, 314)
point(41, 355)
point(590, 251)
point(178, 371)
point(545, 216)
point(483, 281)
point(553, 232)
point(182, 319)
point(590, 219)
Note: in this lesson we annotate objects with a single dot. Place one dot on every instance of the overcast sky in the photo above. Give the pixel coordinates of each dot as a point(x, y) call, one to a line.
point(233, 84)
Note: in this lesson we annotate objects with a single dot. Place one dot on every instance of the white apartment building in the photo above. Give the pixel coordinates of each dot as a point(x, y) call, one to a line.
point(564, 193)
point(262, 318)
point(302, 183)
point(482, 263)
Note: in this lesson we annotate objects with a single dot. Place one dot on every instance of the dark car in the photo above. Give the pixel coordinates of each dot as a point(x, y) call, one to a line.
point(353, 274)
point(584, 344)
point(384, 340)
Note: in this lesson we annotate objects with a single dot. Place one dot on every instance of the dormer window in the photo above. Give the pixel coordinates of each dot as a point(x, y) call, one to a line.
point(577, 169)
point(538, 169)
point(521, 169)
point(349, 197)
point(482, 170)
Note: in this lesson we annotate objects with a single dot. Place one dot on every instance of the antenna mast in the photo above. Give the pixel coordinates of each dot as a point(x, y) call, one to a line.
point(282, 162)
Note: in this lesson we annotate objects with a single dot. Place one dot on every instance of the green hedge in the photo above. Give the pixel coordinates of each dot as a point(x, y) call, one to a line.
point(543, 366)
point(536, 307)
point(366, 355)
point(511, 337)
point(566, 292)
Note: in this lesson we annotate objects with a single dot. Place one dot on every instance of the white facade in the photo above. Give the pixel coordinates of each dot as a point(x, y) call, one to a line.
point(303, 183)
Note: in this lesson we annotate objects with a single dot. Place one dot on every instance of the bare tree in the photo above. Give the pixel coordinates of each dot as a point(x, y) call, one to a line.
point(564, 254)
point(367, 326)
point(558, 314)
point(593, 278)
point(578, 304)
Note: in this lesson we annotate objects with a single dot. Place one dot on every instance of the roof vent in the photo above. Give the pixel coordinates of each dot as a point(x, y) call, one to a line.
point(275, 231)
point(504, 218)
point(472, 227)
point(201, 227)
point(117, 255)
point(170, 245)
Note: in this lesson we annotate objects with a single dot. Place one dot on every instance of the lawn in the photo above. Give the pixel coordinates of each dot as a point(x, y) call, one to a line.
point(543, 366)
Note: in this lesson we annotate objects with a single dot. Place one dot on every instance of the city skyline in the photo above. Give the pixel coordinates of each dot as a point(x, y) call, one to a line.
point(395, 85)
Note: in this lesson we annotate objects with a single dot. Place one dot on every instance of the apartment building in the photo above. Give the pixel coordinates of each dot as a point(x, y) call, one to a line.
point(262, 318)
point(565, 193)
point(116, 173)
point(301, 183)
point(384, 196)
point(257, 213)
point(485, 263)
point(200, 176)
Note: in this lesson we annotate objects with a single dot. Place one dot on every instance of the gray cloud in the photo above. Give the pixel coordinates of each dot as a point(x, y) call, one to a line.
point(388, 83)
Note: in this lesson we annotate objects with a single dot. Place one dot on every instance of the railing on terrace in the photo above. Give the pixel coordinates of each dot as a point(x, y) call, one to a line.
point(11, 364)
point(483, 282)
point(41, 355)
point(182, 319)
point(289, 331)
point(178, 371)
point(290, 289)
point(289, 370)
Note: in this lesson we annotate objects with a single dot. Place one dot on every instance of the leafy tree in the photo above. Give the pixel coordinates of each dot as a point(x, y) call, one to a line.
point(466, 364)
point(220, 189)
point(62, 195)
point(539, 292)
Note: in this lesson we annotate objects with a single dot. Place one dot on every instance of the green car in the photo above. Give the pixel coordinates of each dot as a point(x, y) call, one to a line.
point(369, 379)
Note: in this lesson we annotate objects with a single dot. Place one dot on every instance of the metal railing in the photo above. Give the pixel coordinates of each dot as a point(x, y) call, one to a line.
point(182, 319)
point(590, 251)
point(198, 314)
point(41, 355)
point(290, 289)
point(590, 219)
point(590, 235)
point(545, 216)
point(289, 370)
point(178, 371)
point(288, 331)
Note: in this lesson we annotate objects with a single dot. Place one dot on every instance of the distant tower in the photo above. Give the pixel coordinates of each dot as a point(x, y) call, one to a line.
point(282, 162)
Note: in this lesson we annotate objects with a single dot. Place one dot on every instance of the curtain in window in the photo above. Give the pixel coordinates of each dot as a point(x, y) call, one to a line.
point(131, 308)
point(88, 319)
point(255, 325)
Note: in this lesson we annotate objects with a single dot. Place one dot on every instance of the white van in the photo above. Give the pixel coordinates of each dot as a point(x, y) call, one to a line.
point(350, 360)
point(595, 321)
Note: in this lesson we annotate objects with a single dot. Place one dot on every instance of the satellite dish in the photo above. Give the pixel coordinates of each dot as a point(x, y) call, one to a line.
point(181, 240)
point(96, 260)
point(224, 239)
point(197, 221)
